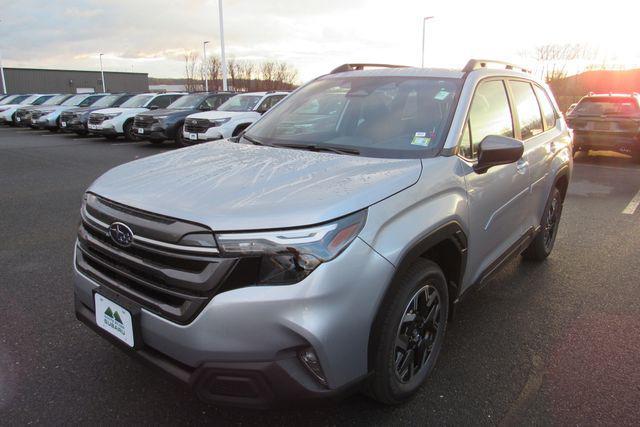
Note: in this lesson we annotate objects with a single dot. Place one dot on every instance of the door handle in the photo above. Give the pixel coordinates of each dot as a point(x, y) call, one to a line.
point(521, 166)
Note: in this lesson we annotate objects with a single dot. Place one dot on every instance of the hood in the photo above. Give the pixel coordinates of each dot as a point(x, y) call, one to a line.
point(229, 186)
point(83, 109)
point(221, 114)
point(170, 112)
point(124, 111)
point(52, 108)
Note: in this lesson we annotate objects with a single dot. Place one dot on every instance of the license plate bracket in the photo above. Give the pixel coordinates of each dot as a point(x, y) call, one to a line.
point(128, 314)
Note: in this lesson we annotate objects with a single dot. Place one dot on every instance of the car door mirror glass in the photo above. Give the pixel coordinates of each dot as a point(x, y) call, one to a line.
point(153, 107)
point(495, 150)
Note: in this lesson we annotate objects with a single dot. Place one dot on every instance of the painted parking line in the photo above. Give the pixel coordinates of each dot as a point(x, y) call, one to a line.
point(633, 205)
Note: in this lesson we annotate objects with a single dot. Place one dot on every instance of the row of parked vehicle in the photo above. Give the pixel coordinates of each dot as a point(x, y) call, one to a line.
point(186, 118)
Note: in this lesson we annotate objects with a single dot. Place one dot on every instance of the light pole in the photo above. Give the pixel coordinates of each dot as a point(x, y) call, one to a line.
point(424, 24)
point(4, 82)
point(205, 66)
point(104, 86)
point(224, 59)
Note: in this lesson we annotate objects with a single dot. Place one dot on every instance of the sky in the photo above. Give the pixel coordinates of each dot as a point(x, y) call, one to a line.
point(152, 36)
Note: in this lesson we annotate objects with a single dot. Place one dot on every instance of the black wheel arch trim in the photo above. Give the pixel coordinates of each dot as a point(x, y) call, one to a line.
point(451, 231)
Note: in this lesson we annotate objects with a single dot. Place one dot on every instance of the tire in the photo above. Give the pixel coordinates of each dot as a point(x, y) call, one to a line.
point(542, 245)
point(179, 139)
point(392, 382)
point(127, 130)
point(239, 129)
point(57, 128)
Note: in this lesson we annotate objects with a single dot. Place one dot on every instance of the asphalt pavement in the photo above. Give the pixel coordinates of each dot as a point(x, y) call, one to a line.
point(554, 343)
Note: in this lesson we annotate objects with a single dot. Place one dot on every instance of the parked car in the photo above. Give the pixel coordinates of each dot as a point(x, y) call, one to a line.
point(23, 114)
point(49, 117)
point(159, 125)
point(14, 99)
point(230, 118)
point(608, 122)
point(114, 122)
point(325, 250)
point(8, 111)
point(76, 120)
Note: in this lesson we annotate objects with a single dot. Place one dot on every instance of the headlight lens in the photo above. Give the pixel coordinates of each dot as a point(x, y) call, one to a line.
point(112, 115)
point(219, 122)
point(288, 256)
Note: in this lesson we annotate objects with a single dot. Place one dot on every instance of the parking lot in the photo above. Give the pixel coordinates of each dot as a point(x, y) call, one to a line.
point(550, 343)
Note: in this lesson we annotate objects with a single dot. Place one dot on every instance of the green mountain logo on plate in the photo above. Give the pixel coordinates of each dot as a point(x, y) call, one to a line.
point(113, 314)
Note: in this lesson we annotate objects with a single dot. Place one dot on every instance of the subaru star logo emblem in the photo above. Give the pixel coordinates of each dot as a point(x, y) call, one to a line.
point(121, 234)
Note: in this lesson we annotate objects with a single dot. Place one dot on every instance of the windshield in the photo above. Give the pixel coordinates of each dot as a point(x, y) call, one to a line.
point(137, 101)
point(107, 101)
point(40, 99)
point(15, 99)
point(187, 102)
point(240, 103)
point(372, 116)
point(55, 100)
point(28, 100)
point(73, 101)
point(607, 105)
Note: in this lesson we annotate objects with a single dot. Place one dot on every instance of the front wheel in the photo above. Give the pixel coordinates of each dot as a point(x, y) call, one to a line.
point(542, 244)
point(127, 129)
point(180, 140)
point(408, 333)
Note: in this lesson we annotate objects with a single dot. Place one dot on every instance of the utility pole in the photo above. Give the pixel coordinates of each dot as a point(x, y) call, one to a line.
point(424, 24)
point(4, 81)
point(205, 66)
point(224, 59)
point(104, 86)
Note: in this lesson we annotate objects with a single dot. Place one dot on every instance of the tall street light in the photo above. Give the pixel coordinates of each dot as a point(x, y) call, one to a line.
point(4, 81)
point(205, 66)
point(104, 86)
point(424, 24)
point(224, 60)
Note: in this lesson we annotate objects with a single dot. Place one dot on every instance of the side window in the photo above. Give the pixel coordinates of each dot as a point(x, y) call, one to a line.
point(90, 100)
point(268, 103)
point(528, 109)
point(548, 112)
point(162, 101)
point(489, 114)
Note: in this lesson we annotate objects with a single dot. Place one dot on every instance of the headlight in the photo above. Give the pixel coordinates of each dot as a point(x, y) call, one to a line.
point(219, 122)
point(288, 256)
point(3, 110)
point(160, 117)
point(112, 115)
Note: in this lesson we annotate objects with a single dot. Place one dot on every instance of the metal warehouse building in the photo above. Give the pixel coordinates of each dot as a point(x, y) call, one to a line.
point(34, 80)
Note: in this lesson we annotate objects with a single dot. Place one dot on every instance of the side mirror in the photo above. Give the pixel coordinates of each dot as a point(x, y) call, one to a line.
point(154, 107)
point(204, 108)
point(497, 150)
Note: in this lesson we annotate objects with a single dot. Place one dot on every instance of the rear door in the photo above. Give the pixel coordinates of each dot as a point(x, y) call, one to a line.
point(499, 199)
point(536, 121)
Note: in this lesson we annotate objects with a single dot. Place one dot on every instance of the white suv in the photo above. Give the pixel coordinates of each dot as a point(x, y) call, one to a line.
point(230, 118)
point(114, 122)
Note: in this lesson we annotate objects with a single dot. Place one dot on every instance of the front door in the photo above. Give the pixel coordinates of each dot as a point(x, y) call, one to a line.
point(499, 199)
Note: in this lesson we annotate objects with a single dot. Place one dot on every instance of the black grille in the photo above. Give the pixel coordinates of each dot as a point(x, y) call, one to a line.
point(66, 116)
point(97, 118)
point(197, 125)
point(144, 121)
point(23, 114)
point(169, 280)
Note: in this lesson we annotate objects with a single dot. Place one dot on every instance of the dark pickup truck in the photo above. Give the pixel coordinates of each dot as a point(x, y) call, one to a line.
point(159, 125)
point(609, 122)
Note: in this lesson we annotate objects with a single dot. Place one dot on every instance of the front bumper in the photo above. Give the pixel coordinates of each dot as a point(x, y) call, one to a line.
point(155, 133)
point(213, 134)
point(45, 123)
point(250, 336)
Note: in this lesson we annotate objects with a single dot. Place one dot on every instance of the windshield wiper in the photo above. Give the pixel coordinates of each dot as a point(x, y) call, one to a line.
point(255, 141)
point(318, 148)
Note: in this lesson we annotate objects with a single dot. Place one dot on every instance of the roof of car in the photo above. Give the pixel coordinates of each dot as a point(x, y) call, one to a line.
point(400, 72)
point(271, 92)
point(607, 95)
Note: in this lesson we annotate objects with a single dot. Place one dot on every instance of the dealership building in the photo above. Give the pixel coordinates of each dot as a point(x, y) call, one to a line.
point(37, 80)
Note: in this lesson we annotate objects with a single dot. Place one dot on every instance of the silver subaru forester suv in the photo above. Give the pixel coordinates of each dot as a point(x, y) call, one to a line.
point(324, 250)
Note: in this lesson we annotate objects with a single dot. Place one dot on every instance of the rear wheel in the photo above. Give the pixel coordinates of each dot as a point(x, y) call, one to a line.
point(542, 245)
point(408, 334)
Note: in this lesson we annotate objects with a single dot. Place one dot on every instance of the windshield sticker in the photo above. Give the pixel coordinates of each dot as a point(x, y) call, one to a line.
point(442, 95)
point(420, 138)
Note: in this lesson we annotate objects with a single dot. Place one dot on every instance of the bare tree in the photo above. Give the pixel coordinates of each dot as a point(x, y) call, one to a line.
point(212, 70)
point(232, 66)
point(554, 59)
point(190, 67)
point(267, 74)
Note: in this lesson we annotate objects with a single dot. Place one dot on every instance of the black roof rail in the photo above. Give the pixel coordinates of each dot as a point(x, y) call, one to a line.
point(360, 67)
point(475, 64)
